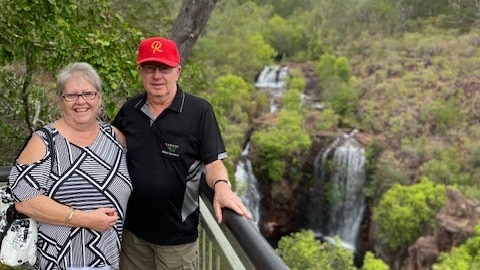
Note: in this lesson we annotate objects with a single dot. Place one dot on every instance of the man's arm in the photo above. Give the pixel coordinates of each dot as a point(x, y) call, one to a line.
point(217, 178)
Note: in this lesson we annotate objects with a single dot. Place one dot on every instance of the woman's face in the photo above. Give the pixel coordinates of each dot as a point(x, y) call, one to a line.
point(80, 103)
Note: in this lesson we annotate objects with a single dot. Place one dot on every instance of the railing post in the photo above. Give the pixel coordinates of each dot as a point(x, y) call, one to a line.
point(230, 258)
point(260, 253)
point(4, 172)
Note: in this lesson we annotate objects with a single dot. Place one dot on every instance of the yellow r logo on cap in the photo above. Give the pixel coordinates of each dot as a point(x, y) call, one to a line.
point(156, 47)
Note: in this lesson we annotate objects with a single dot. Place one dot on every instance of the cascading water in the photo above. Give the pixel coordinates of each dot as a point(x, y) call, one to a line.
point(247, 186)
point(341, 180)
point(272, 80)
point(272, 77)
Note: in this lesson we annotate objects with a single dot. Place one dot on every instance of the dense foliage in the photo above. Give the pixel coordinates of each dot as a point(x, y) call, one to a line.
point(301, 251)
point(281, 143)
point(372, 263)
point(38, 37)
point(404, 72)
point(465, 257)
point(406, 212)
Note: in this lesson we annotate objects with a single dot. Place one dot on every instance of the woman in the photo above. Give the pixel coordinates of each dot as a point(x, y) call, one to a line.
point(79, 194)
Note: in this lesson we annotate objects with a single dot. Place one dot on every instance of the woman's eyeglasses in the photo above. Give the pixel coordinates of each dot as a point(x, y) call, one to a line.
point(85, 95)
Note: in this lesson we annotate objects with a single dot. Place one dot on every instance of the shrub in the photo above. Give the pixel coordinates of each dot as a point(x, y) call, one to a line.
point(406, 212)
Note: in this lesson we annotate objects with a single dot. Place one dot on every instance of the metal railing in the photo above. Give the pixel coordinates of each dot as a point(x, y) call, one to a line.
point(235, 244)
point(4, 171)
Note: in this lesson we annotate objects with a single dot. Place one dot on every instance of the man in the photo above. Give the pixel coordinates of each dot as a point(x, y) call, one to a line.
point(172, 138)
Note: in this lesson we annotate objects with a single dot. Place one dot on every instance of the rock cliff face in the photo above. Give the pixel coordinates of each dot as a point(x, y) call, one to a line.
point(455, 224)
point(284, 211)
point(284, 206)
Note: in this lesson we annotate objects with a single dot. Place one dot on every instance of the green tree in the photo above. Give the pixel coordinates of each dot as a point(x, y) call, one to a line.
point(233, 100)
point(240, 50)
point(41, 36)
point(284, 36)
point(334, 73)
point(406, 212)
point(281, 144)
point(342, 69)
point(285, 8)
point(464, 257)
point(372, 263)
point(326, 66)
point(286, 139)
point(292, 98)
point(302, 251)
point(150, 17)
point(447, 168)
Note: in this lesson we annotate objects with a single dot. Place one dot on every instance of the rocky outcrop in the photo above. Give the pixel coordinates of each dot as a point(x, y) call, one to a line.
point(455, 224)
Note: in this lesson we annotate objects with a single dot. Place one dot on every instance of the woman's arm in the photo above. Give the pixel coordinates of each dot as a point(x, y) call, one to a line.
point(33, 151)
point(121, 138)
point(44, 209)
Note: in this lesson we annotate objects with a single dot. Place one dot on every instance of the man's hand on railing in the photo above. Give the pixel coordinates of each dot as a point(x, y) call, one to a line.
point(216, 177)
point(225, 197)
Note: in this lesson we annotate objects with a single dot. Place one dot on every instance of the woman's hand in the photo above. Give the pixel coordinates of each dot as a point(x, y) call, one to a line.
point(100, 220)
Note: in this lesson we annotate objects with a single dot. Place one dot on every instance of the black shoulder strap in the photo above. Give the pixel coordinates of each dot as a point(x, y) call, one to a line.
point(12, 213)
point(22, 146)
point(50, 142)
point(27, 139)
point(19, 151)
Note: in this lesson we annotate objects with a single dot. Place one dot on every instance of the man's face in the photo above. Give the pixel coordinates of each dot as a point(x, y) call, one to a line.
point(159, 80)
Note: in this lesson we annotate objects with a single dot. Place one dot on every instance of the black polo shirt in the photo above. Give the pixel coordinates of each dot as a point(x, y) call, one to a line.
point(166, 158)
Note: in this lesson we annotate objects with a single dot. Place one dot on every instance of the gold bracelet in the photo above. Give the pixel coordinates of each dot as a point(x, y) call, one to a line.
point(70, 215)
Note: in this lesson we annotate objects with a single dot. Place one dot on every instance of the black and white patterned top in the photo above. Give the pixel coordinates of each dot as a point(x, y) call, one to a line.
point(84, 178)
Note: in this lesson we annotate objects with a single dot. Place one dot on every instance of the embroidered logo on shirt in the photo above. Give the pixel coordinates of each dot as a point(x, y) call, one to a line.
point(172, 148)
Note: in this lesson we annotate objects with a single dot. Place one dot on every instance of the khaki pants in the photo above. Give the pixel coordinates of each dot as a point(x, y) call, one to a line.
point(138, 254)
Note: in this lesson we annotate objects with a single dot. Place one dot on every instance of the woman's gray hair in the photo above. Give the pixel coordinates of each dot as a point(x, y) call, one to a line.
point(78, 70)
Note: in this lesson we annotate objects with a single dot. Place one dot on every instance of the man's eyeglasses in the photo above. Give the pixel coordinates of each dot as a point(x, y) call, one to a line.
point(150, 69)
point(85, 95)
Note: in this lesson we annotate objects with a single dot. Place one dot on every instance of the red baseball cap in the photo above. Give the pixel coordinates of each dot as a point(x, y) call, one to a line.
point(158, 49)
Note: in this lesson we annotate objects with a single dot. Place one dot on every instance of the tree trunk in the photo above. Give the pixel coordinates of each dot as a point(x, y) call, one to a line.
point(188, 25)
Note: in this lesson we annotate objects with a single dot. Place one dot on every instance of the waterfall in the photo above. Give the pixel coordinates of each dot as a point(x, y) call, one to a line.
point(272, 77)
point(247, 186)
point(272, 80)
point(342, 183)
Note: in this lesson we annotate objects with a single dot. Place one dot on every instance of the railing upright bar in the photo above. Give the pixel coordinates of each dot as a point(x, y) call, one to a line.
point(217, 237)
point(4, 172)
point(259, 252)
point(210, 255)
point(202, 248)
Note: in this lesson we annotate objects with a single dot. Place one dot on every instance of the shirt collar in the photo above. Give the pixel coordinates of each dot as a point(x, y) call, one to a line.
point(177, 103)
point(179, 100)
